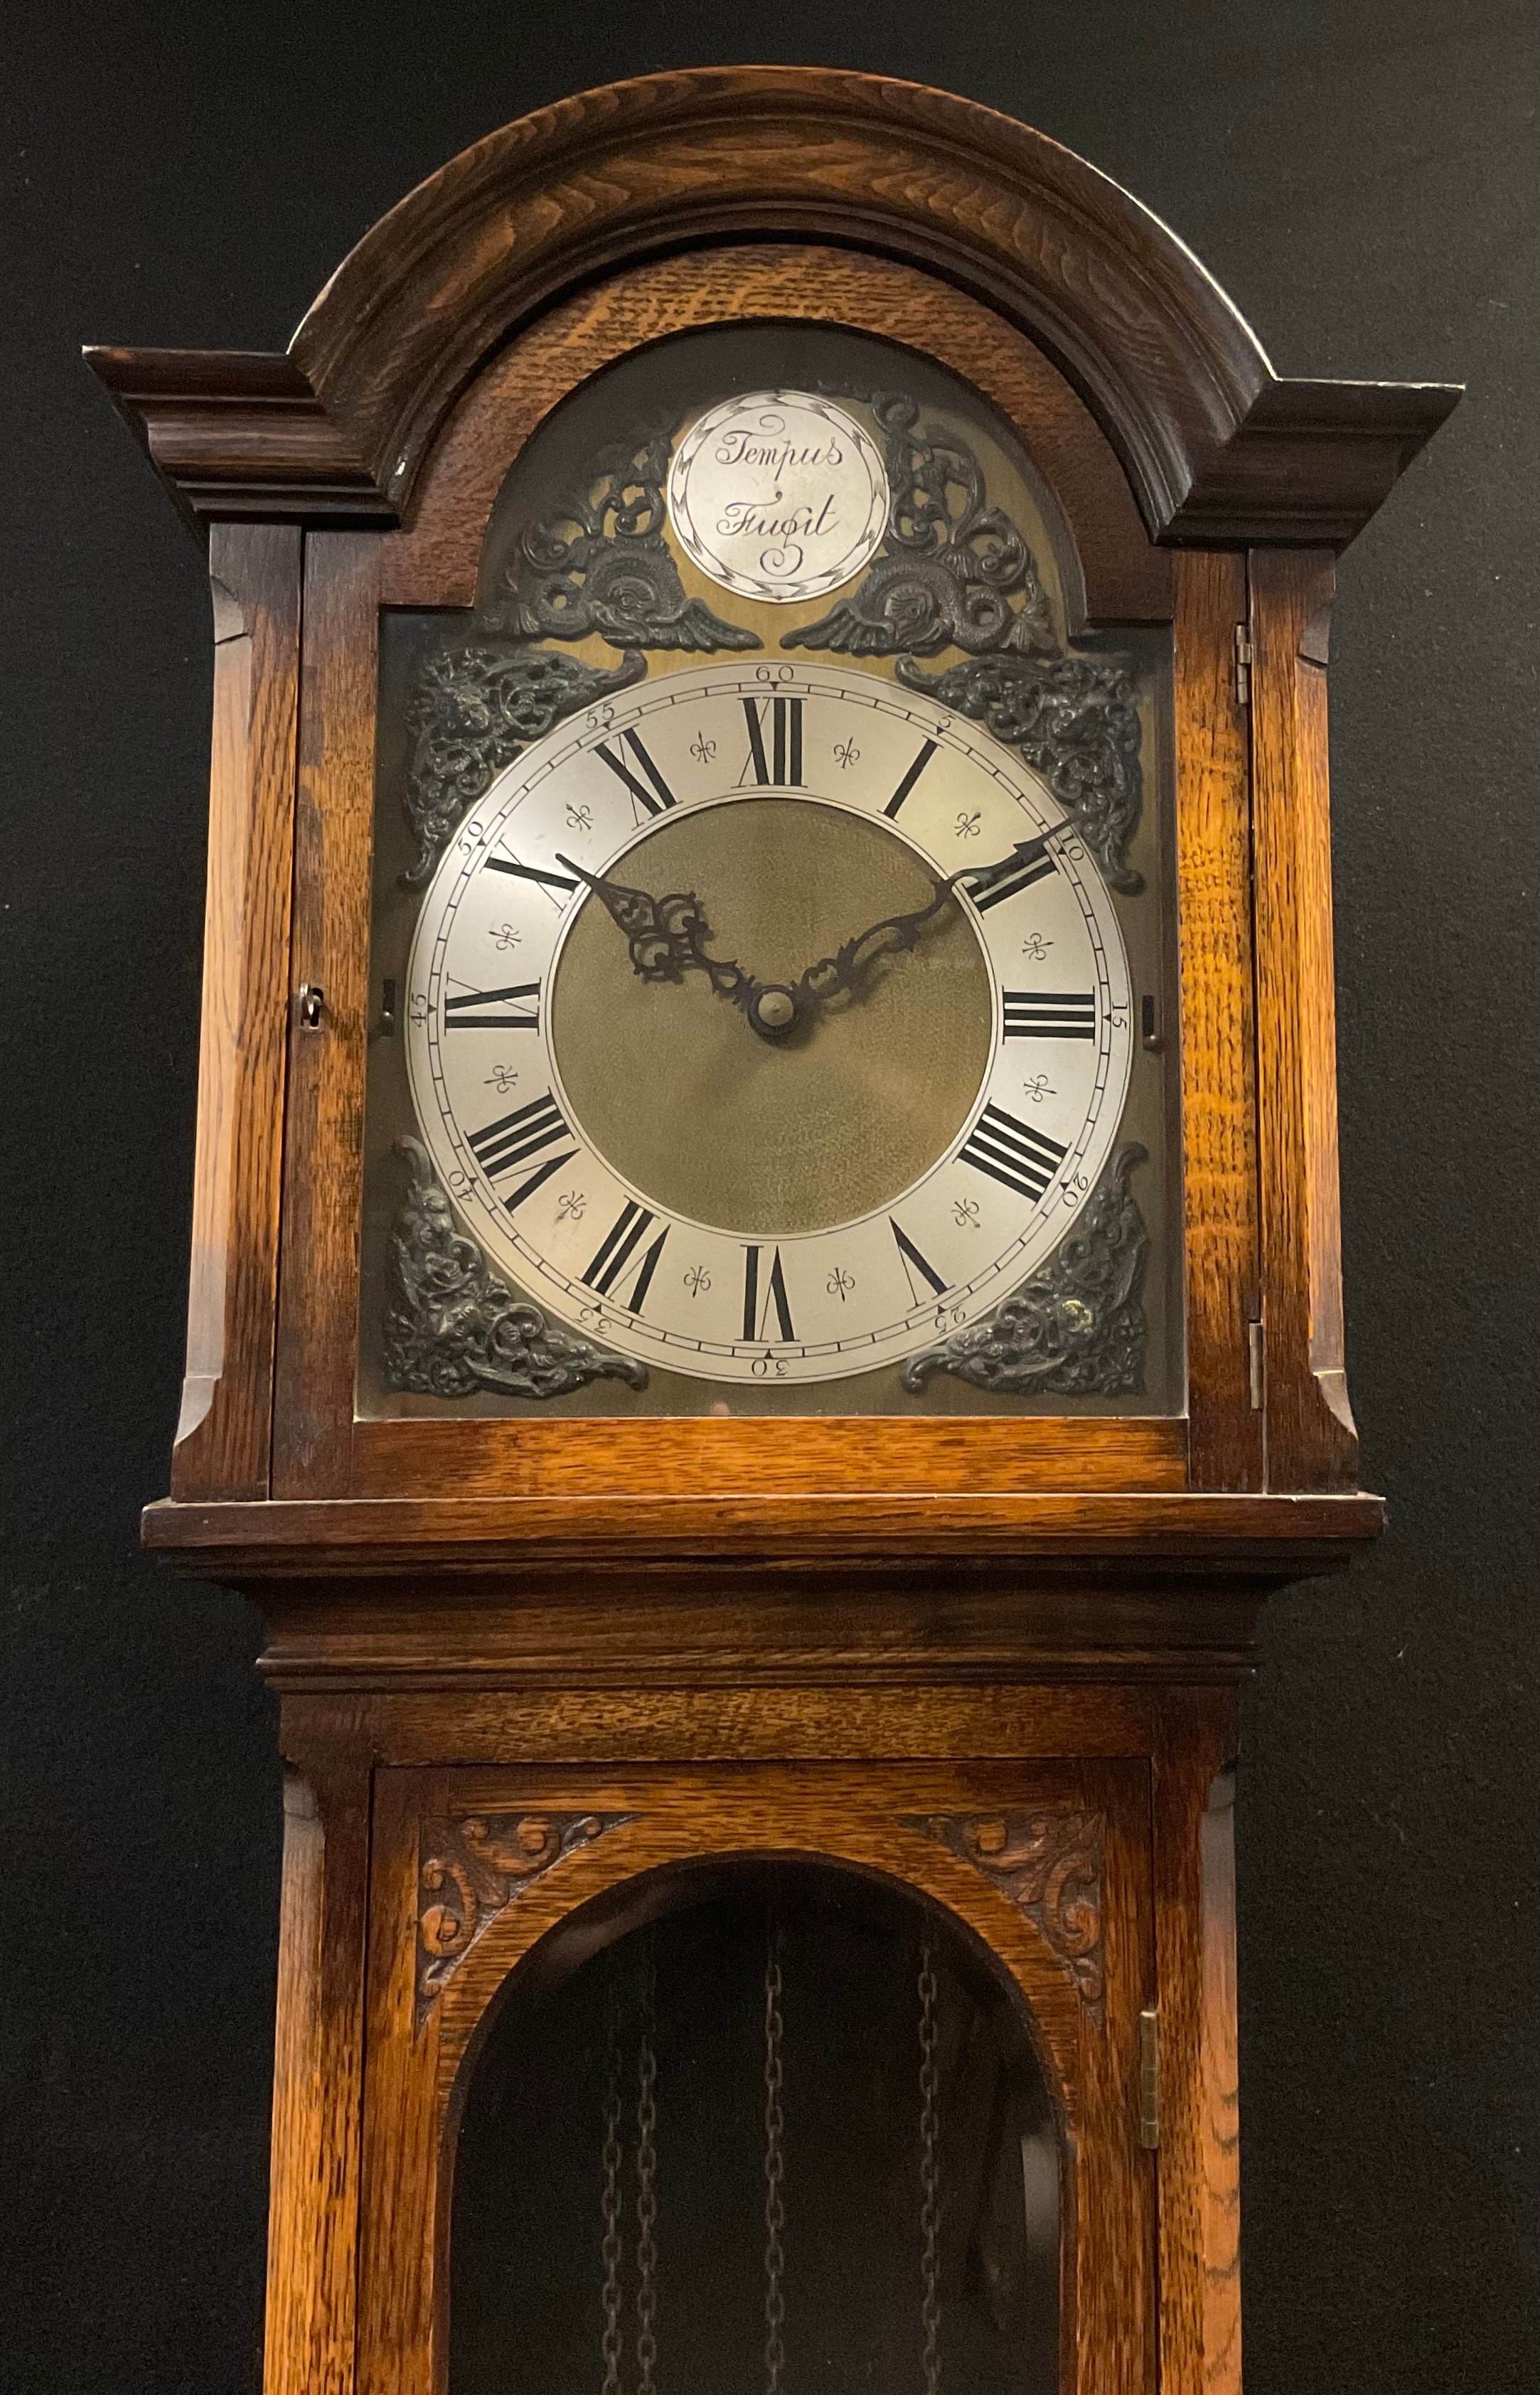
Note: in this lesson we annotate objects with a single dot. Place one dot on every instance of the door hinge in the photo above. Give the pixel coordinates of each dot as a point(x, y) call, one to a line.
point(1243, 665)
point(1149, 2077)
point(1256, 1346)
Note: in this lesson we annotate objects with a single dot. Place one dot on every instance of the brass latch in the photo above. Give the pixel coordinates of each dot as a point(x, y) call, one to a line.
point(1149, 2077)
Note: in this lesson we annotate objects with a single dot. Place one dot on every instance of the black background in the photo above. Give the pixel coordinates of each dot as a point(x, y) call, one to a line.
point(1358, 174)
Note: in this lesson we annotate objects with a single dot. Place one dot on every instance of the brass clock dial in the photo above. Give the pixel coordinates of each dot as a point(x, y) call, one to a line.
point(767, 1022)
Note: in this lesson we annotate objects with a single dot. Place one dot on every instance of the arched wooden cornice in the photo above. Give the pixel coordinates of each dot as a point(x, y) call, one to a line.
point(1217, 447)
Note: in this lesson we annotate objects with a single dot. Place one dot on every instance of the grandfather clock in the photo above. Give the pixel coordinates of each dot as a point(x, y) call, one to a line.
point(765, 1295)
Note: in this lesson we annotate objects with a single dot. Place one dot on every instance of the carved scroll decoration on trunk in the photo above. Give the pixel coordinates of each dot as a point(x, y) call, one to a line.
point(453, 1326)
point(1076, 1327)
point(472, 1869)
point(1050, 1865)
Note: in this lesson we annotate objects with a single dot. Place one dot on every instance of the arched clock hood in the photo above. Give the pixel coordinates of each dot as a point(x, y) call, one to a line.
point(1217, 447)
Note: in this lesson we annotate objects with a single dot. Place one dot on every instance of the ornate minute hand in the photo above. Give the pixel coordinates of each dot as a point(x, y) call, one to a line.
point(849, 965)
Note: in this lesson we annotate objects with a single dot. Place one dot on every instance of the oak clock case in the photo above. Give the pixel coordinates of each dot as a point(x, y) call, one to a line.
point(766, 1306)
point(771, 946)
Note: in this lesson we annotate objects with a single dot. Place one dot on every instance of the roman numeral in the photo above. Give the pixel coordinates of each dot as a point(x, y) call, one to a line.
point(1033, 862)
point(1050, 1014)
point(916, 769)
point(456, 1019)
point(530, 873)
point(1026, 1160)
point(616, 1249)
point(513, 1138)
point(653, 799)
point(756, 1309)
point(782, 763)
point(915, 1263)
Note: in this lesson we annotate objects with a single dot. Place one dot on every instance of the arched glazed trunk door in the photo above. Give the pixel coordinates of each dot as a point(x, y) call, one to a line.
point(805, 2080)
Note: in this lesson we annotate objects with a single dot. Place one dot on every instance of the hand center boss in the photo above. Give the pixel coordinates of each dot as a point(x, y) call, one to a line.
point(666, 938)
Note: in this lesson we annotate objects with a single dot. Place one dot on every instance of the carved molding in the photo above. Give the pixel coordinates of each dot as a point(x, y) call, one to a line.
point(1075, 723)
point(1216, 447)
point(1050, 1865)
point(453, 1326)
point(950, 563)
point(599, 562)
point(472, 1869)
point(479, 701)
point(1076, 1327)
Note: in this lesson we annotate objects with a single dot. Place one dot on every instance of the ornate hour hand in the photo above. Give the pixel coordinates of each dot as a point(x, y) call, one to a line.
point(666, 938)
point(850, 966)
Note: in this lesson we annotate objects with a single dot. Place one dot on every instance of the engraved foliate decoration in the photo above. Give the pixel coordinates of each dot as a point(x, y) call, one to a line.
point(453, 1326)
point(1076, 1327)
point(778, 496)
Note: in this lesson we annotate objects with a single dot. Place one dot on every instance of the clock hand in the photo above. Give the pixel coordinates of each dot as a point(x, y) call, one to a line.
point(847, 969)
point(667, 937)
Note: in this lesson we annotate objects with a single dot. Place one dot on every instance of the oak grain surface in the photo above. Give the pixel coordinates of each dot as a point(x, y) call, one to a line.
point(1312, 1442)
point(1217, 1022)
point(323, 1159)
point(313, 2218)
point(222, 1438)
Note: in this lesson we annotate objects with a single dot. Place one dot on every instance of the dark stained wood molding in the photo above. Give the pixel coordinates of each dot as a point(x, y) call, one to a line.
point(237, 433)
point(1217, 448)
point(1280, 1537)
